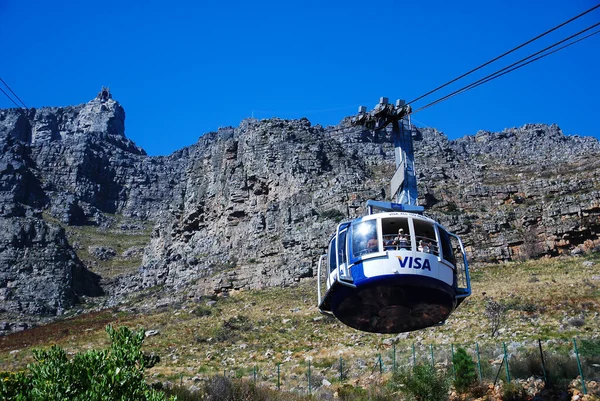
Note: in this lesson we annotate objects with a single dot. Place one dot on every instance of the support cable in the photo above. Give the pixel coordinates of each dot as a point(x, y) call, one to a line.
point(10, 98)
point(504, 54)
point(514, 66)
point(11, 91)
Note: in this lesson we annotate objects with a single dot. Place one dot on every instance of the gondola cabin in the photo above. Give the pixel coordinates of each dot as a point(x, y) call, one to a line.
point(392, 272)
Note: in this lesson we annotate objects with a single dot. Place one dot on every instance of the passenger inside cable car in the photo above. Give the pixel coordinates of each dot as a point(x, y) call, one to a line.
point(425, 237)
point(396, 234)
point(364, 238)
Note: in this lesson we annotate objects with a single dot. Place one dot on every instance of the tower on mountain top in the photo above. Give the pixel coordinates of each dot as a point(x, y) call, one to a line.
point(104, 94)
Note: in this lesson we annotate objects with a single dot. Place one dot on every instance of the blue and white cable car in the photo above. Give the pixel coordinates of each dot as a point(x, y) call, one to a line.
point(393, 270)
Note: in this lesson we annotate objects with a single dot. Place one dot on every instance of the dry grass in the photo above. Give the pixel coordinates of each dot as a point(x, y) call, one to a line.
point(84, 237)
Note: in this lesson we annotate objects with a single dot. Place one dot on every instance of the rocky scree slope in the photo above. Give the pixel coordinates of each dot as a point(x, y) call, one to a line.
point(254, 206)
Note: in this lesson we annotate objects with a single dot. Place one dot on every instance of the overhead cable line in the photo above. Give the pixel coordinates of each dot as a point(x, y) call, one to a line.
point(10, 98)
point(504, 54)
point(514, 66)
point(11, 91)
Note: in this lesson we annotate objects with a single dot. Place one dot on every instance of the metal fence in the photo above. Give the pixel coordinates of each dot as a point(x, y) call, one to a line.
point(549, 360)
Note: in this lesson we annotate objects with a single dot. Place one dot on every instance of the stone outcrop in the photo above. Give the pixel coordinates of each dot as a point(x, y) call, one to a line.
point(520, 193)
point(40, 274)
point(254, 206)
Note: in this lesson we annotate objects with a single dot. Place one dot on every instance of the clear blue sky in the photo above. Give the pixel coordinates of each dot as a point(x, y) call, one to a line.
point(181, 69)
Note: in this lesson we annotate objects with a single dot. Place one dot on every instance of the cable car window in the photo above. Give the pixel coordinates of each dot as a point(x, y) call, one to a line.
point(447, 252)
point(459, 263)
point(332, 263)
point(396, 234)
point(425, 236)
point(364, 238)
point(342, 247)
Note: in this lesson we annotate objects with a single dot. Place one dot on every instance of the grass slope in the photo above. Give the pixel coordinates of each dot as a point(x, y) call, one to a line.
point(552, 299)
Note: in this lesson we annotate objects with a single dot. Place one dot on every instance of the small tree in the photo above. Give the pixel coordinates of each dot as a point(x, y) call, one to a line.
point(495, 312)
point(464, 368)
point(421, 383)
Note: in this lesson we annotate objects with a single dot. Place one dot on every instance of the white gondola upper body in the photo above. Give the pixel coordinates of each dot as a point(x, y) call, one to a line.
point(393, 272)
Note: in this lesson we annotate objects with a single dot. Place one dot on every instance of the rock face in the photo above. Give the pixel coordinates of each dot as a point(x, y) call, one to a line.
point(254, 206)
point(520, 193)
point(41, 275)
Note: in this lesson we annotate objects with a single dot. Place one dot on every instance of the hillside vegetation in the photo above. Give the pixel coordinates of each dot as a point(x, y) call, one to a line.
point(551, 299)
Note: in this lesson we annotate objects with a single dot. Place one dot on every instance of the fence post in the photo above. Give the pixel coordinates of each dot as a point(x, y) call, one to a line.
point(543, 362)
point(453, 369)
point(432, 360)
point(414, 355)
point(506, 359)
point(380, 364)
point(579, 367)
point(341, 369)
point(254, 375)
point(278, 377)
point(309, 386)
point(479, 363)
point(394, 358)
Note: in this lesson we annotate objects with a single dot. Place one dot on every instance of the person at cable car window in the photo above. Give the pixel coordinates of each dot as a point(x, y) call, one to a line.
point(401, 240)
point(420, 247)
point(364, 238)
point(427, 247)
point(390, 244)
point(373, 245)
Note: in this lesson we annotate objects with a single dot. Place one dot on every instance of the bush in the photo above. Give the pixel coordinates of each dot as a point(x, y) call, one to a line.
point(421, 383)
point(202, 310)
point(116, 373)
point(464, 369)
point(589, 348)
point(526, 365)
point(221, 388)
point(478, 390)
point(514, 392)
point(561, 369)
point(351, 393)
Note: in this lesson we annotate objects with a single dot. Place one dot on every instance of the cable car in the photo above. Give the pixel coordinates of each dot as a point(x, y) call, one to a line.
point(393, 270)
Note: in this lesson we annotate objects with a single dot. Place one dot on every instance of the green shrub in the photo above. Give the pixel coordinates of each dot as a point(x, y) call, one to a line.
point(464, 369)
point(351, 393)
point(116, 373)
point(514, 392)
point(526, 365)
point(421, 383)
point(589, 348)
point(13, 385)
point(561, 369)
point(202, 310)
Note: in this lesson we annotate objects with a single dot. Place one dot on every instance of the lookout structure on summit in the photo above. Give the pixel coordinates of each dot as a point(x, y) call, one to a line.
point(104, 94)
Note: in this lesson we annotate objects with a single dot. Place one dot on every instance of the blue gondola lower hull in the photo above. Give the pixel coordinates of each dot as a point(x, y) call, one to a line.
point(392, 303)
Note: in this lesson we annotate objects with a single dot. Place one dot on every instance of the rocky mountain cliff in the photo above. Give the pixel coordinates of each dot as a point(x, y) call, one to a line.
point(254, 206)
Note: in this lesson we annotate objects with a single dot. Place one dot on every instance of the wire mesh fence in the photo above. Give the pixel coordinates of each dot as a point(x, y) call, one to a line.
point(553, 361)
